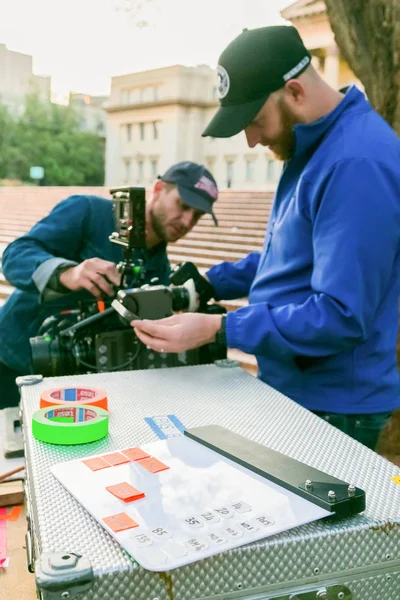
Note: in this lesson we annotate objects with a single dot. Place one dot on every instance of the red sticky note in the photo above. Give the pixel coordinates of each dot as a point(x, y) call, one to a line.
point(153, 465)
point(115, 458)
point(125, 492)
point(120, 522)
point(135, 453)
point(95, 464)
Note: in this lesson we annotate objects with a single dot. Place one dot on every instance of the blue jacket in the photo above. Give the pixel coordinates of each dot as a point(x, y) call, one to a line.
point(75, 230)
point(323, 294)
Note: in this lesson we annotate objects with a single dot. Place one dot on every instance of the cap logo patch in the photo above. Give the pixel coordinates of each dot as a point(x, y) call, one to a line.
point(293, 72)
point(223, 82)
point(208, 186)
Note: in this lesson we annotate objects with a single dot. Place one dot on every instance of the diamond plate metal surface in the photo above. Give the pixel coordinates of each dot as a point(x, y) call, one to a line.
point(232, 398)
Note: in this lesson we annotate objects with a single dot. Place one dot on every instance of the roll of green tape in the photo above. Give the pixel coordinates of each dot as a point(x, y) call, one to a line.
point(69, 426)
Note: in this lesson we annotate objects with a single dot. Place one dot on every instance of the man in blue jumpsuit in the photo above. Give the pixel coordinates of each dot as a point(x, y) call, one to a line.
point(67, 258)
point(323, 293)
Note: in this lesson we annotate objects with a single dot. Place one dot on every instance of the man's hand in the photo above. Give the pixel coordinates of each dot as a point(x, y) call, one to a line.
point(178, 333)
point(95, 275)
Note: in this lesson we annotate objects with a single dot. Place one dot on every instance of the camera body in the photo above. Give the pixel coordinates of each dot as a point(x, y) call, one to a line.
point(96, 338)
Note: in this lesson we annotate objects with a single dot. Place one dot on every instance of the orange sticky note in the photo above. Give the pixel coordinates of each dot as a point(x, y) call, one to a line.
point(115, 458)
point(95, 464)
point(135, 453)
point(13, 515)
point(120, 522)
point(125, 492)
point(153, 465)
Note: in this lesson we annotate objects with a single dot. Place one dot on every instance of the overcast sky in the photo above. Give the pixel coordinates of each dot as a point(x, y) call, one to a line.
point(82, 43)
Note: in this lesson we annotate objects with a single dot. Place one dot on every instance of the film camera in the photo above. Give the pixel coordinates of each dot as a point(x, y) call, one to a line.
point(95, 338)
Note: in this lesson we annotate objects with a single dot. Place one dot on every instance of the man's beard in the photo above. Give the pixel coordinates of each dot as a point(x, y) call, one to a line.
point(158, 227)
point(285, 146)
point(157, 223)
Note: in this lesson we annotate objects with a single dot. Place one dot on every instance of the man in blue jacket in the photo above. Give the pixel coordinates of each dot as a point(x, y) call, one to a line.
point(323, 293)
point(67, 257)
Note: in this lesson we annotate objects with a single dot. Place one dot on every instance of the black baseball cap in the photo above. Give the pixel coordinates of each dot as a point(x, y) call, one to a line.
point(257, 63)
point(196, 186)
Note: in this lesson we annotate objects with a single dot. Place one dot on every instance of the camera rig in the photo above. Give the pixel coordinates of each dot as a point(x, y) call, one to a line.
point(96, 337)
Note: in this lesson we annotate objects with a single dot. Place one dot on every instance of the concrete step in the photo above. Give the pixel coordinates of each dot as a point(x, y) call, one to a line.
point(233, 220)
point(202, 263)
point(218, 245)
point(196, 253)
point(234, 233)
point(17, 228)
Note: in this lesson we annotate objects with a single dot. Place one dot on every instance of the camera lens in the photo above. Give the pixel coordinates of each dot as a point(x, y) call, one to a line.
point(180, 298)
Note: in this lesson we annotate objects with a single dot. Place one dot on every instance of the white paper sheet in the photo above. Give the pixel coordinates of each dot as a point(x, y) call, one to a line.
point(202, 505)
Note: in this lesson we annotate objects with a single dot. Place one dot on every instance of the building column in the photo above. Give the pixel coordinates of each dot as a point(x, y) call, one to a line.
point(331, 71)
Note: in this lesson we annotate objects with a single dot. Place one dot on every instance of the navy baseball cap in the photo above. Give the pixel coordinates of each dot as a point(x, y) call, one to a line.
point(196, 186)
point(257, 63)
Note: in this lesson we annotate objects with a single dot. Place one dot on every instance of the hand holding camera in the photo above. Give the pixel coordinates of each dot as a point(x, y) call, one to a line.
point(95, 275)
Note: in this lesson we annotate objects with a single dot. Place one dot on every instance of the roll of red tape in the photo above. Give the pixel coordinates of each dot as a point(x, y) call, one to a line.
point(74, 397)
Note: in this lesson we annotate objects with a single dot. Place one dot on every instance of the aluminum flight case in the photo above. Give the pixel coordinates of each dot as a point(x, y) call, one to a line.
point(356, 558)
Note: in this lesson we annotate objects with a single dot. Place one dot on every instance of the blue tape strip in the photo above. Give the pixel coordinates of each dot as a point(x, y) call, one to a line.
point(165, 426)
point(70, 394)
point(176, 422)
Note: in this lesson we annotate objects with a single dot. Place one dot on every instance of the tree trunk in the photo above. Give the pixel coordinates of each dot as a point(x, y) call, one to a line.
point(367, 33)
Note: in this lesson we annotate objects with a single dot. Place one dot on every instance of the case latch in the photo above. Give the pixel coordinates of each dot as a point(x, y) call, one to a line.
point(333, 592)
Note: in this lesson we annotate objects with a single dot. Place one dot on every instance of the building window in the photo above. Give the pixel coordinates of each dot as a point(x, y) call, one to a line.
point(134, 96)
point(124, 97)
point(250, 170)
point(129, 132)
point(140, 171)
point(155, 130)
point(154, 169)
point(127, 170)
point(141, 129)
point(156, 91)
point(271, 176)
point(229, 173)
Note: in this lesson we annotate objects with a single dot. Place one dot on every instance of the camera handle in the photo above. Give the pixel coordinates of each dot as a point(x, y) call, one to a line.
point(88, 321)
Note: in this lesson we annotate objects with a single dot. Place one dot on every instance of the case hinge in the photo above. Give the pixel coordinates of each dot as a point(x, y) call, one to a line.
point(63, 575)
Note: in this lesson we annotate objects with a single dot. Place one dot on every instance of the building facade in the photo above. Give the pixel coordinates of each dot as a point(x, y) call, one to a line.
point(17, 80)
point(155, 118)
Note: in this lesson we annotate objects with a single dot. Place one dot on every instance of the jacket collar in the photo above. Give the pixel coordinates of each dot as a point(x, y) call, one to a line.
point(309, 134)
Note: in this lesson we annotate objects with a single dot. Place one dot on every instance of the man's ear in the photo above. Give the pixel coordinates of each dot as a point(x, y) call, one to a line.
point(157, 189)
point(294, 91)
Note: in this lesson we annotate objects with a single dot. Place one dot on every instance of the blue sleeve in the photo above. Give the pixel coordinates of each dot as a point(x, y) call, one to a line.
point(356, 233)
point(59, 235)
point(233, 280)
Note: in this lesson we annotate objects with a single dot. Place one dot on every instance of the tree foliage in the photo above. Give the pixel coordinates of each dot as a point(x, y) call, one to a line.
point(48, 135)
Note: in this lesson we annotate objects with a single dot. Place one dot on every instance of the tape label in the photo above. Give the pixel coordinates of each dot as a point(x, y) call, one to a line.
point(71, 396)
point(74, 415)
